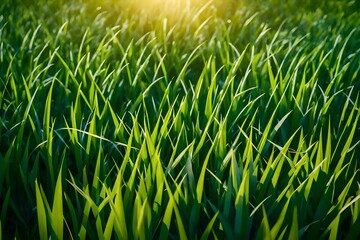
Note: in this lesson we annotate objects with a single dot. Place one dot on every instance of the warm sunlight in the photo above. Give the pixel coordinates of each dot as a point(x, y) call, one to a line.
point(182, 5)
point(171, 8)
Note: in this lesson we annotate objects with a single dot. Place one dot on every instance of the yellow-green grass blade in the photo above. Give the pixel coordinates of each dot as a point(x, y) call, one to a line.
point(201, 181)
point(347, 144)
point(280, 160)
point(57, 217)
point(172, 201)
point(264, 229)
point(99, 228)
point(209, 227)
point(165, 225)
point(294, 228)
point(118, 207)
point(41, 213)
point(242, 220)
point(109, 226)
point(226, 226)
point(280, 221)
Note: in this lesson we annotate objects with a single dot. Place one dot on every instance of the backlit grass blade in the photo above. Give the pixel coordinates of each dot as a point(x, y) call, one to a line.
point(172, 205)
point(209, 227)
point(209, 99)
point(117, 206)
point(347, 144)
point(188, 149)
point(281, 221)
point(201, 181)
point(242, 207)
point(41, 213)
point(109, 226)
point(293, 234)
point(99, 228)
point(280, 160)
point(57, 217)
point(191, 58)
point(165, 225)
point(227, 228)
point(264, 229)
point(204, 135)
point(141, 225)
point(342, 198)
point(67, 67)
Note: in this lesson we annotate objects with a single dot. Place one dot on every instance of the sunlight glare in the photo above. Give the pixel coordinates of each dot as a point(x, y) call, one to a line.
point(168, 8)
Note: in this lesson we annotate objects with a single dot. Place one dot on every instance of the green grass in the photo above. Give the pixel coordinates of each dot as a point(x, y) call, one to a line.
point(219, 120)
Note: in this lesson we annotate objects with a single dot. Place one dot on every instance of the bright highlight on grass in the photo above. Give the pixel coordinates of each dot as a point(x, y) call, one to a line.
point(171, 5)
point(185, 13)
point(213, 120)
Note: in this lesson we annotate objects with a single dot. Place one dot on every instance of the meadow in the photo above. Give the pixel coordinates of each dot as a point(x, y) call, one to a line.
point(130, 119)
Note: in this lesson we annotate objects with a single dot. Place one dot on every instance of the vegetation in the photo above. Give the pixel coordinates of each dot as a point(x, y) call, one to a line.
point(231, 119)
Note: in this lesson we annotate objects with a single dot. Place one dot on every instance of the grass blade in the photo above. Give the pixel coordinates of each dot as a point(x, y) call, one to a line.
point(41, 213)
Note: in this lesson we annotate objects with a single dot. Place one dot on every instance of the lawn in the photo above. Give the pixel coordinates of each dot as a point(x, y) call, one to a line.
point(179, 119)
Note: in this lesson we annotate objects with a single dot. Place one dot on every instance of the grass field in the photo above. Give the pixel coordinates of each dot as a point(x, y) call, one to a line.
point(129, 119)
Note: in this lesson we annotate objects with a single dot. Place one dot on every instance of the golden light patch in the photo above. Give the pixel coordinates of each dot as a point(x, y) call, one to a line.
point(169, 8)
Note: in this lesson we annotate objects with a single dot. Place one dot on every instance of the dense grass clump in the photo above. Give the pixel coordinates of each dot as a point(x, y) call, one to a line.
point(179, 119)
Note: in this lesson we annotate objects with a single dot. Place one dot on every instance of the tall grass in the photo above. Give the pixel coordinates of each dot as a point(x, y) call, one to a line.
point(179, 122)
